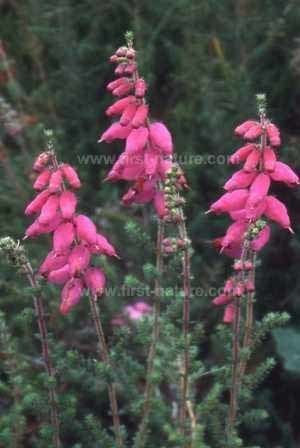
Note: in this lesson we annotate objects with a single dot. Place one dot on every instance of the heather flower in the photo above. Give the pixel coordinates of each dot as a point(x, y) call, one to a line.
point(250, 205)
point(148, 145)
point(74, 236)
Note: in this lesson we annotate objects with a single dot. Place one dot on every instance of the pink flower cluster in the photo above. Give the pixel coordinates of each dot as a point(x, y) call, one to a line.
point(148, 145)
point(247, 201)
point(75, 237)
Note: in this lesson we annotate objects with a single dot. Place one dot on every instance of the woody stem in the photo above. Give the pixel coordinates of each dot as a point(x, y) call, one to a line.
point(104, 354)
point(140, 438)
point(40, 314)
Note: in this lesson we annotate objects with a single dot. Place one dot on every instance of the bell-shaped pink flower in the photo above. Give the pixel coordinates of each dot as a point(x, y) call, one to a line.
point(222, 299)
point(161, 138)
point(71, 176)
point(36, 228)
point(140, 88)
point(124, 88)
point(36, 205)
point(252, 160)
point(53, 261)
point(151, 159)
point(63, 237)
point(67, 204)
point(140, 116)
point(55, 181)
point(283, 173)
point(119, 106)
point(258, 190)
point(234, 200)
point(261, 240)
point(269, 159)
point(244, 127)
point(241, 154)
point(117, 83)
point(95, 281)
point(273, 134)
point(240, 179)
point(85, 229)
point(115, 131)
point(42, 180)
point(71, 294)
point(59, 276)
point(229, 313)
point(277, 211)
point(136, 140)
point(103, 246)
point(49, 209)
point(235, 233)
point(79, 259)
point(254, 212)
point(128, 114)
point(253, 132)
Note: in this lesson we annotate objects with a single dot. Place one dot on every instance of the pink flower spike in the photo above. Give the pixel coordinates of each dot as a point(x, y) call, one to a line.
point(36, 205)
point(136, 140)
point(235, 200)
point(283, 173)
point(261, 240)
point(255, 212)
point(128, 114)
point(119, 106)
point(252, 160)
point(41, 161)
point(85, 229)
point(229, 313)
point(159, 204)
point(140, 116)
point(222, 299)
point(103, 246)
point(276, 211)
point(228, 287)
point(269, 159)
point(49, 209)
point(53, 262)
point(273, 134)
point(258, 190)
point(240, 179)
point(71, 176)
point(115, 131)
point(160, 138)
point(63, 237)
point(241, 154)
point(67, 204)
point(95, 281)
point(71, 294)
point(42, 180)
point(244, 127)
point(55, 181)
point(254, 131)
point(59, 276)
point(79, 259)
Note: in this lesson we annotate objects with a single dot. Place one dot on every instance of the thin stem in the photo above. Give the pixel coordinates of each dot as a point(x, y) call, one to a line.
point(247, 342)
point(185, 323)
point(40, 313)
point(235, 385)
point(104, 353)
point(140, 438)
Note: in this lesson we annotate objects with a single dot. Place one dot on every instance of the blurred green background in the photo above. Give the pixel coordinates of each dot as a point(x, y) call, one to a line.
point(204, 61)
